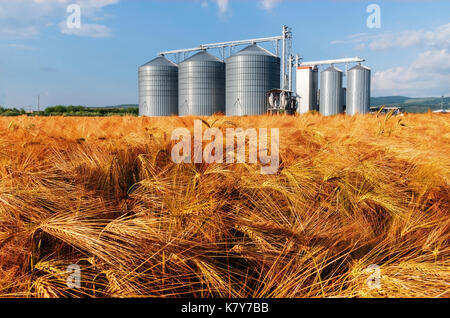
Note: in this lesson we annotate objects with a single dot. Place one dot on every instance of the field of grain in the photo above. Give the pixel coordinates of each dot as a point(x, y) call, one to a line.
point(355, 199)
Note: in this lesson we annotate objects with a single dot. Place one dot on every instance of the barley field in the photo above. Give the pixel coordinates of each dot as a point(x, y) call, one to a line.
point(359, 208)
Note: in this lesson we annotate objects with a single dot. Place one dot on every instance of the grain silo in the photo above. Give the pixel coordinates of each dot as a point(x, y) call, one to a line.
point(358, 90)
point(331, 92)
point(306, 88)
point(250, 73)
point(158, 88)
point(201, 85)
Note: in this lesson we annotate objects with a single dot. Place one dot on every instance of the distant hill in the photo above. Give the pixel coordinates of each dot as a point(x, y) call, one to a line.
point(123, 106)
point(412, 105)
point(388, 100)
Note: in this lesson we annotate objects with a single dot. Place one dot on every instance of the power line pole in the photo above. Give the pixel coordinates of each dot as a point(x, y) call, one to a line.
point(39, 102)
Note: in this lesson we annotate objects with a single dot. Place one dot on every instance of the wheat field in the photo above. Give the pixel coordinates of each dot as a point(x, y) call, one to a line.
point(103, 193)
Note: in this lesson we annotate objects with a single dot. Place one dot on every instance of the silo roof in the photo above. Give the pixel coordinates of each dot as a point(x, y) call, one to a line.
point(254, 50)
point(203, 56)
point(160, 61)
point(360, 67)
point(332, 69)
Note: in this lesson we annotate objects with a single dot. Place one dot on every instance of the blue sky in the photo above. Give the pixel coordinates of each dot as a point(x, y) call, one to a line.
point(97, 64)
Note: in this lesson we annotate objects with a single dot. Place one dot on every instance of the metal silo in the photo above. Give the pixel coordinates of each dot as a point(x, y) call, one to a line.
point(250, 73)
point(358, 90)
point(158, 88)
point(201, 85)
point(331, 92)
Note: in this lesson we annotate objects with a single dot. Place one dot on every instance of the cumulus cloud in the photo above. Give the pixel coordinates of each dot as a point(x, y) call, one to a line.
point(360, 46)
point(223, 6)
point(21, 46)
point(438, 38)
point(20, 19)
point(268, 4)
point(428, 75)
point(87, 30)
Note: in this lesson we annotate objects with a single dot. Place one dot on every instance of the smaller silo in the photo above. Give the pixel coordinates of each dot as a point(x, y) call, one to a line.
point(306, 88)
point(158, 88)
point(358, 90)
point(201, 85)
point(331, 92)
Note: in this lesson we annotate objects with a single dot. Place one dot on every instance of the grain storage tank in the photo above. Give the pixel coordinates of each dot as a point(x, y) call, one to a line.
point(306, 88)
point(358, 90)
point(331, 92)
point(250, 73)
point(158, 88)
point(201, 85)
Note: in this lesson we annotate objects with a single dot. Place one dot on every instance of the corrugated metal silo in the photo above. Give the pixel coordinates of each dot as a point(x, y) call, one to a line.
point(331, 92)
point(158, 88)
point(358, 90)
point(250, 73)
point(201, 85)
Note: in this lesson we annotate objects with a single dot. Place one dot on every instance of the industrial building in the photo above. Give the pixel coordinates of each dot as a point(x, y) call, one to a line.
point(247, 82)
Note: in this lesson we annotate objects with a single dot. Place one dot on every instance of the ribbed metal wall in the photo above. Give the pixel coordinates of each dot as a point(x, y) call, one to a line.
point(158, 88)
point(331, 92)
point(358, 90)
point(201, 85)
point(250, 73)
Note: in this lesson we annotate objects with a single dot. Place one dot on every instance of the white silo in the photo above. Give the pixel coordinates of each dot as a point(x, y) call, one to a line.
point(358, 90)
point(331, 92)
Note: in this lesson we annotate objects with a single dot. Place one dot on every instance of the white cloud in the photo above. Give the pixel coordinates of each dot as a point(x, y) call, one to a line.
point(18, 32)
point(21, 46)
point(88, 30)
point(268, 4)
point(223, 6)
point(27, 18)
point(204, 4)
point(428, 75)
point(360, 46)
point(437, 38)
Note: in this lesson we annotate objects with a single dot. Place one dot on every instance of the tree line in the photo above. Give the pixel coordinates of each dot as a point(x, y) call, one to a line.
point(60, 110)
